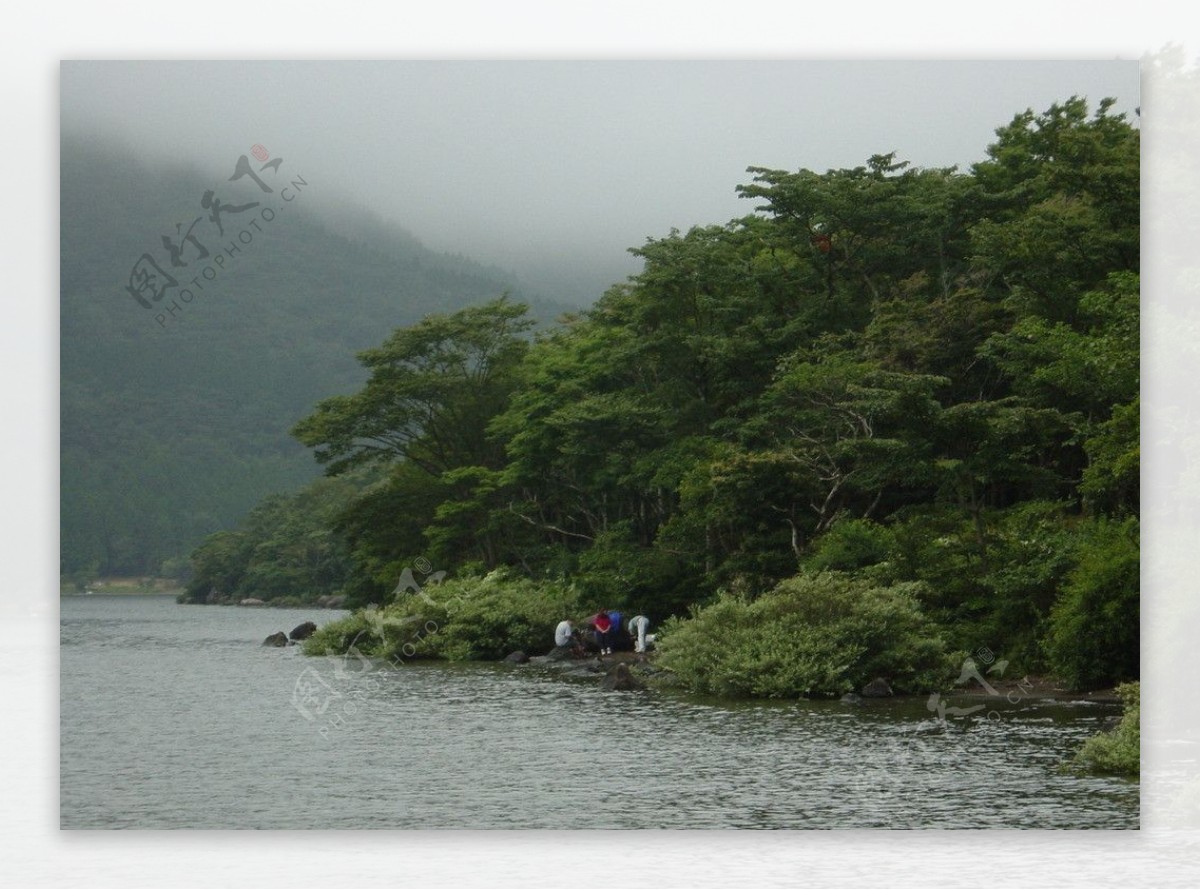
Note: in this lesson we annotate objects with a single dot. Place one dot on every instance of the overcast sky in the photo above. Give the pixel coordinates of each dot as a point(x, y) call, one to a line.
point(553, 169)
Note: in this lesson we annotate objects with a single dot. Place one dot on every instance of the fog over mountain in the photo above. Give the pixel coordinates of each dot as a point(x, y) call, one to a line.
point(175, 414)
point(552, 170)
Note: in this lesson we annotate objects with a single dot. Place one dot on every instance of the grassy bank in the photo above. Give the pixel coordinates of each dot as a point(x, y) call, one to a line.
point(820, 634)
point(815, 635)
point(468, 619)
point(1117, 751)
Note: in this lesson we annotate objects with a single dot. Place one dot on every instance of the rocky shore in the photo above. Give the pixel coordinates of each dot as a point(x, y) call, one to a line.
point(629, 671)
point(618, 672)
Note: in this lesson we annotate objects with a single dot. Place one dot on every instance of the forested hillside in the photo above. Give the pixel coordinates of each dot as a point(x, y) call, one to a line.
point(903, 401)
point(175, 424)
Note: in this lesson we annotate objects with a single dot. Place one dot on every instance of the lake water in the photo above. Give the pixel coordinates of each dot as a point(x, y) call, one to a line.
point(175, 717)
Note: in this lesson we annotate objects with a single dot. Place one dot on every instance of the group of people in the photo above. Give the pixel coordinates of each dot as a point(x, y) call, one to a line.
point(608, 632)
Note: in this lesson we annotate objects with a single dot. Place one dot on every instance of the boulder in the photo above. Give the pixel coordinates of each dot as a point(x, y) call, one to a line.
point(335, 602)
point(559, 653)
point(517, 657)
point(620, 679)
point(851, 698)
point(877, 688)
point(279, 638)
point(251, 601)
point(303, 631)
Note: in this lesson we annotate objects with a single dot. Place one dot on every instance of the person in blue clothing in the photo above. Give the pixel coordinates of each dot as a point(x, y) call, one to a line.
point(616, 633)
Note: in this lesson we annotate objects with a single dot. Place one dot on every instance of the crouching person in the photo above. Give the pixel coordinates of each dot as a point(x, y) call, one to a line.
point(638, 626)
point(566, 641)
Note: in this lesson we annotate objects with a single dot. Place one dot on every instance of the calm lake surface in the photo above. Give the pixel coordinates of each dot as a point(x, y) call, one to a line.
point(175, 717)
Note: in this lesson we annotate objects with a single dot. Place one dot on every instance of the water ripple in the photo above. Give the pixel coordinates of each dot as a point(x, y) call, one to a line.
point(175, 717)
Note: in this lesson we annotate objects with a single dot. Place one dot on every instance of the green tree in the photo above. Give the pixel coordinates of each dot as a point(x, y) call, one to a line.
point(220, 563)
point(1061, 204)
point(385, 531)
point(1088, 373)
point(1093, 638)
point(432, 390)
point(289, 547)
point(858, 433)
point(869, 228)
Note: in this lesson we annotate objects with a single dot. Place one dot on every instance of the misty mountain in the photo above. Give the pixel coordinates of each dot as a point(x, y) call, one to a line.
point(258, 293)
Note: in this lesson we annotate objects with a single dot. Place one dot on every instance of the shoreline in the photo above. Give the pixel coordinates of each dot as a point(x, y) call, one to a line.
point(1025, 689)
point(86, 593)
point(1013, 691)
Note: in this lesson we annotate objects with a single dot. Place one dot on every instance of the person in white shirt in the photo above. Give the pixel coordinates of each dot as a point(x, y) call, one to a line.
point(638, 625)
point(564, 633)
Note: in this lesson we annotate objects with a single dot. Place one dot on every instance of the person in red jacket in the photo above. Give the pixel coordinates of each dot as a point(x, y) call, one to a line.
point(603, 626)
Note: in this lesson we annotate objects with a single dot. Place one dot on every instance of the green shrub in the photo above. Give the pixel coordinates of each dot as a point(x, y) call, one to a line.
point(1093, 638)
point(1117, 752)
point(469, 619)
point(491, 617)
point(336, 637)
point(817, 635)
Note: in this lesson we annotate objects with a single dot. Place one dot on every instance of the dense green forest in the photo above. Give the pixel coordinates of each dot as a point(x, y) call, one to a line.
point(889, 417)
point(172, 431)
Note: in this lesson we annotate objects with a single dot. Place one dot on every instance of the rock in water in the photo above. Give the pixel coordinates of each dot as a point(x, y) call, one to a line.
point(279, 638)
point(620, 679)
point(251, 601)
point(877, 688)
point(303, 631)
point(517, 657)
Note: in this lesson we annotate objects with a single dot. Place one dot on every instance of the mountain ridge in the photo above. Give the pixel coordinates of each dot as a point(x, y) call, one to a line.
point(175, 423)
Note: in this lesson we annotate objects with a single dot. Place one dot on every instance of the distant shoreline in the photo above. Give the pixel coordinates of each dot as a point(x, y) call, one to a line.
point(86, 593)
point(122, 586)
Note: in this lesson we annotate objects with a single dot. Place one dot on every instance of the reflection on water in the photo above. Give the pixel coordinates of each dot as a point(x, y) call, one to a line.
point(174, 716)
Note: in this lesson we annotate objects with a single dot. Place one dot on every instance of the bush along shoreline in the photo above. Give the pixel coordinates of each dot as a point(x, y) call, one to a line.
point(469, 619)
point(1117, 751)
point(818, 635)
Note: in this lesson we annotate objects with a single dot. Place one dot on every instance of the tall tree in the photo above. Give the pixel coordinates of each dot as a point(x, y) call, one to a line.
point(433, 389)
